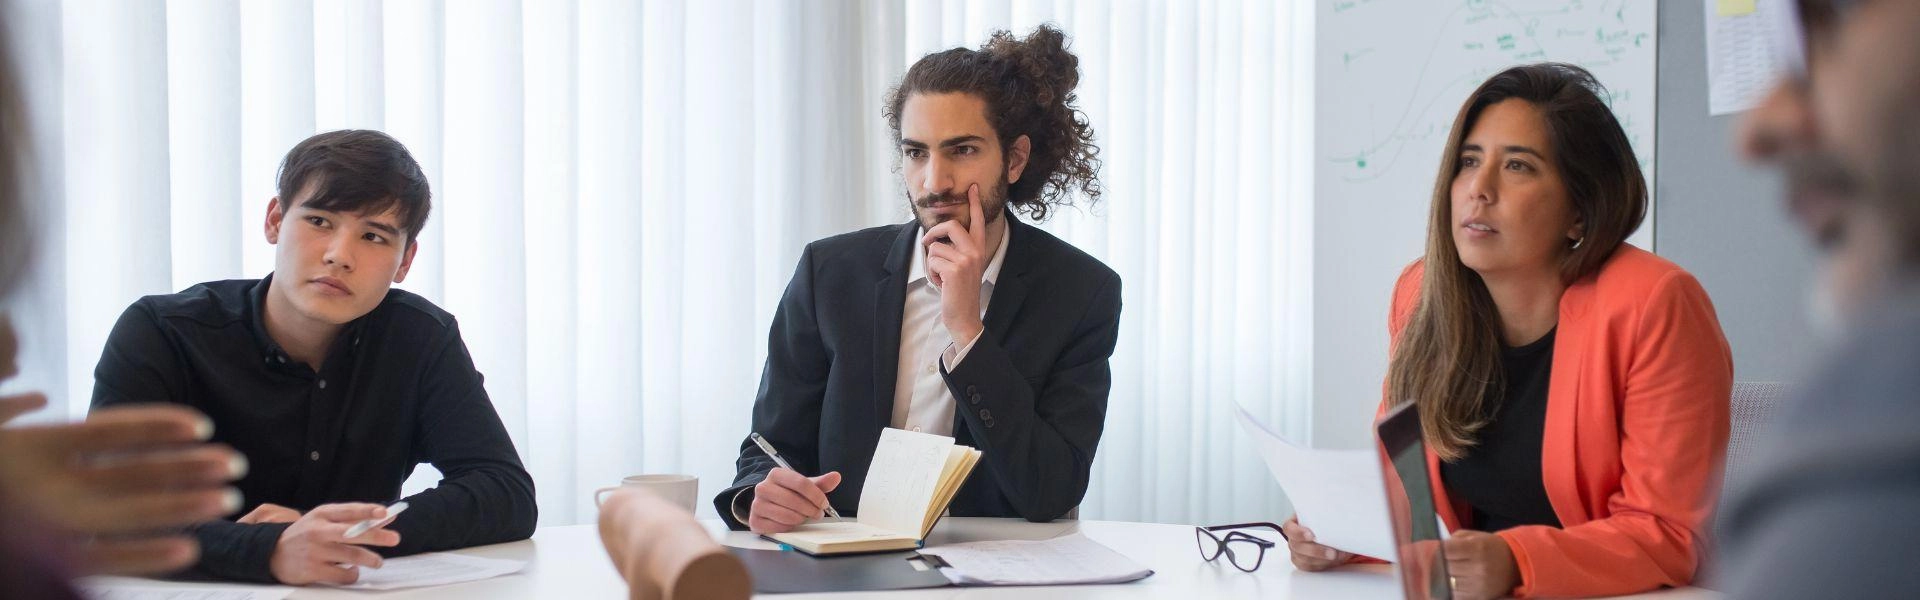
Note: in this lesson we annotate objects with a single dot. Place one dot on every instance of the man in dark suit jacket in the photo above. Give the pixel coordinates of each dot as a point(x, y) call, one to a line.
point(963, 322)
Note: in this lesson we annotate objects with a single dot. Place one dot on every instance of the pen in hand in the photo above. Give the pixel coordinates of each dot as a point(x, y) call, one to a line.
point(775, 455)
point(372, 524)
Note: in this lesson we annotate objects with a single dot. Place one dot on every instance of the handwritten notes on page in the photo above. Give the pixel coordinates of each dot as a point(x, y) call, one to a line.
point(902, 480)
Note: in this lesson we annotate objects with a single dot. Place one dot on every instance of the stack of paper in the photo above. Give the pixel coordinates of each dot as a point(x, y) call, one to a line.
point(397, 573)
point(128, 588)
point(433, 569)
point(1065, 560)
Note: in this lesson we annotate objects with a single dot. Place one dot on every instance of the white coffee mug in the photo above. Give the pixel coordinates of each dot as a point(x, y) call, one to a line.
point(682, 490)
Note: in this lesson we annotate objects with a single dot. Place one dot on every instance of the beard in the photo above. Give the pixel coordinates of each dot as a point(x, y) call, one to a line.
point(1821, 191)
point(993, 203)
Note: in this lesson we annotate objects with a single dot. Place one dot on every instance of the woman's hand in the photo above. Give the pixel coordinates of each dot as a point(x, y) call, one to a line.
point(1481, 564)
point(1307, 555)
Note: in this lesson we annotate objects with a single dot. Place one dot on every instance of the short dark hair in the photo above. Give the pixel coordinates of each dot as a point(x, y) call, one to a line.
point(1028, 87)
point(358, 170)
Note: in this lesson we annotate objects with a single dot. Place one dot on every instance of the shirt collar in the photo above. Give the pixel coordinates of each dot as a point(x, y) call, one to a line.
point(991, 276)
point(255, 310)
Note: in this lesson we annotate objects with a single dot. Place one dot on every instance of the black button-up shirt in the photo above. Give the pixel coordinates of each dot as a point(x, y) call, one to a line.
point(396, 389)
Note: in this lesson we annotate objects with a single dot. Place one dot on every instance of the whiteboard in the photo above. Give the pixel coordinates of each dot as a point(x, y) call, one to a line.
point(1393, 74)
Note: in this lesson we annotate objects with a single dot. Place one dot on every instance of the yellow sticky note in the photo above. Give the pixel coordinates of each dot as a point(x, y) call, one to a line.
point(1734, 8)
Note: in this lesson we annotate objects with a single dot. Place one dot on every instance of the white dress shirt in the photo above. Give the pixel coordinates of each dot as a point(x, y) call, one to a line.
point(921, 401)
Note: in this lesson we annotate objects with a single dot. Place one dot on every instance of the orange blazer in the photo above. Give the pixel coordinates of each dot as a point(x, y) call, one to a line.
point(1636, 426)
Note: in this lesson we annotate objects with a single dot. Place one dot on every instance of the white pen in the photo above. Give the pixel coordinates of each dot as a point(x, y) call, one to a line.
point(372, 524)
point(775, 455)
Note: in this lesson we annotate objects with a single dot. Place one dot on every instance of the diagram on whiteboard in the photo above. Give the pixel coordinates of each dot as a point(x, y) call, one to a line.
point(1398, 70)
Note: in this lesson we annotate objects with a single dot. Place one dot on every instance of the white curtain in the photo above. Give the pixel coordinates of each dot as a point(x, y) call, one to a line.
point(622, 188)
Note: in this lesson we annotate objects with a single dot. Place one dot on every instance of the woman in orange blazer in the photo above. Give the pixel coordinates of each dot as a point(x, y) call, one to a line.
point(1573, 389)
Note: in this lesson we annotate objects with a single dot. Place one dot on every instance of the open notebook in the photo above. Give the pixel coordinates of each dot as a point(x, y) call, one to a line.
point(911, 480)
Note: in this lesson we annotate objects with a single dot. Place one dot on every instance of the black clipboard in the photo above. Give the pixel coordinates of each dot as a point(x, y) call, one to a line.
point(784, 572)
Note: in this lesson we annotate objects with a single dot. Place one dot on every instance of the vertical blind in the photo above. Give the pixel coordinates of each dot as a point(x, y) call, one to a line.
point(622, 188)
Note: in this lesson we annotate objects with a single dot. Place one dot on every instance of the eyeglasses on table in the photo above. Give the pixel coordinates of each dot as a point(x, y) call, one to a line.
point(1245, 551)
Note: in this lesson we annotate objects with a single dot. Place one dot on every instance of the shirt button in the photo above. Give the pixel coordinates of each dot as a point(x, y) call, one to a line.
point(930, 368)
point(323, 384)
point(315, 455)
point(916, 429)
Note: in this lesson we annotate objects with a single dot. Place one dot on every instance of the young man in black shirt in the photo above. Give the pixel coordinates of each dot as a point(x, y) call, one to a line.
point(332, 384)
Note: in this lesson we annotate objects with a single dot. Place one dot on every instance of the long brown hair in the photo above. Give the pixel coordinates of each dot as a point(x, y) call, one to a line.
point(1448, 358)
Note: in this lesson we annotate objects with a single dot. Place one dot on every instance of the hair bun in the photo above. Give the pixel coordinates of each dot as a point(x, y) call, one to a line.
point(1042, 60)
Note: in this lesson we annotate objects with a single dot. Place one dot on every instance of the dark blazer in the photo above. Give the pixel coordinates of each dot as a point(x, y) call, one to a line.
point(1031, 395)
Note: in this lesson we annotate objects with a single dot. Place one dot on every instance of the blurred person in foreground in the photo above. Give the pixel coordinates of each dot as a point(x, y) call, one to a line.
point(1828, 511)
point(106, 496)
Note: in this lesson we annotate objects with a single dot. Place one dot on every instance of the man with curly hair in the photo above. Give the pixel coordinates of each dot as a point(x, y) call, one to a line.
point(964, 321)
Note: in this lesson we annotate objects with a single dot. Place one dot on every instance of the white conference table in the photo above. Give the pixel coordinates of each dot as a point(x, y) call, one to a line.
point(569, 562)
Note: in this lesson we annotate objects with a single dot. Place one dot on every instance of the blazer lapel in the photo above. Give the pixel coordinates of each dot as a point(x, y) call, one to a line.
point(1011, 289)
point(889, 300)
point(1558, 463)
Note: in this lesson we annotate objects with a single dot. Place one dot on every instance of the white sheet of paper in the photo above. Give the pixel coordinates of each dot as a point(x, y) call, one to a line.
point(902, 479)
point(128, 588)
point(1339, 494)
point(1741, 66)
point(433, 569)
point(1065, 560)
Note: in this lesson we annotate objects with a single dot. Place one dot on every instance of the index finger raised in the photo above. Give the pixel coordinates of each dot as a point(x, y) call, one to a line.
point(977, 224)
